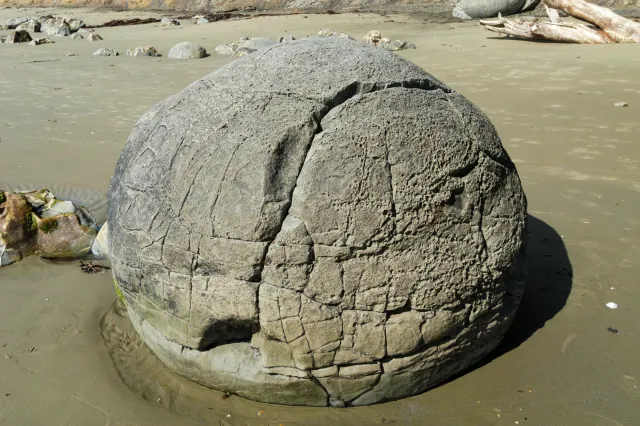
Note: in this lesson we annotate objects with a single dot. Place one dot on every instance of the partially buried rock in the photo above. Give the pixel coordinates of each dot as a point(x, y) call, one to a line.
point(103, 51)
point(202, 20)
point(187, 50)
point(32, 26)
point(94, 37)
point(143, 51)
point(77, 36)
point(18, 36)
point(37, 223)
point(253, 45)
point(41, 40)
point(328, 172)
point(168, 22)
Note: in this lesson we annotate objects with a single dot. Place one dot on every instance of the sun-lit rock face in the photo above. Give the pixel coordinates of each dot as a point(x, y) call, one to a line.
point(320, 222)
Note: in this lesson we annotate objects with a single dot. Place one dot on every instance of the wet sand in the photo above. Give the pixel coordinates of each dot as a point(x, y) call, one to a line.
point(64, 120)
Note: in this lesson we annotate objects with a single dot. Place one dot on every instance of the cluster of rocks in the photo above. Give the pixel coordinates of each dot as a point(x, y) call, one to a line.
point(169, 22)
point(37, 222)
point(143, 51)
point(374, 37)
point(49, 25)
point(184, 50)
point(247, 45)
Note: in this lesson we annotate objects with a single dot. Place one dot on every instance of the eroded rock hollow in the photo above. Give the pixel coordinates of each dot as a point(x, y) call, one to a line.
point(319, 223)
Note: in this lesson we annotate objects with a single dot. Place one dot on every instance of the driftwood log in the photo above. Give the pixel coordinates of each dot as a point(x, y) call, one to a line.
point(600, 25)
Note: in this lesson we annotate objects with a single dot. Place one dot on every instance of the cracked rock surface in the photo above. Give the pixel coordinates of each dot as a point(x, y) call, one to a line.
point(319, 223)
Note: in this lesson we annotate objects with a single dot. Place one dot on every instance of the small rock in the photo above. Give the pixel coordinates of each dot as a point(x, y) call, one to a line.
point(13, 23)
point(143, 51)
point(224, 49)
point(39, 41)
point(612, 305)
point(32, 26)
point(187, 50)
point(621, 104)
point(94, 37)
point(168, 22)
point(103, 51)
point(55, 27)
point(286, 38)
point(7, 356)
point(202, 20)
point(612, 330)
point(373, 37)
point(326, 32)
point(75, 24)
point(18, 36)
point(77, 36)
point(72, 54)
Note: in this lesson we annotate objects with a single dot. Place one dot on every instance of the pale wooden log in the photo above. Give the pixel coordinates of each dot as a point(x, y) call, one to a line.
point(562, 32)
point(618, 28)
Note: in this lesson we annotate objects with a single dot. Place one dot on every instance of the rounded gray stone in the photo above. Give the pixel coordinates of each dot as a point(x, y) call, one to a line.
point(480, 9)
point(318, 223)
point(187, 50)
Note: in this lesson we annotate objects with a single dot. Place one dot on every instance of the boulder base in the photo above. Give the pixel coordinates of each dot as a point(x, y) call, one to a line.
point(319, 223)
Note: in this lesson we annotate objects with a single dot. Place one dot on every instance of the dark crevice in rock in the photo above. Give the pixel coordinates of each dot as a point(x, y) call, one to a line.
point(223, 331)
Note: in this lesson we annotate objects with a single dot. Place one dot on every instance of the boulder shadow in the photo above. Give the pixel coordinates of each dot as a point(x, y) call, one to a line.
point(548, 285)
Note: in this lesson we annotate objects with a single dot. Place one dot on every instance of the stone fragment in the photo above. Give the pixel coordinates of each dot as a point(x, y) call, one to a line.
point(56, 27)
point(143, 51)
point(169, 22)
point(104, 51)
point(41, 40)
point(94, 37)
point(18, 36)
point(77, 36)
point(37, 223)
point(31, 26)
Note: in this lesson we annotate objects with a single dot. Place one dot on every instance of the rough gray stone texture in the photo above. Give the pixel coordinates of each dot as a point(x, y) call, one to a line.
point(332, 209)
point(480, 9)
point(104, 51)
point(31, 26)
point(187, 50)
point(56, 27)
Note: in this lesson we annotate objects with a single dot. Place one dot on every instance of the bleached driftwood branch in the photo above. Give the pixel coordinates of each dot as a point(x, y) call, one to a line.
point(601, 25)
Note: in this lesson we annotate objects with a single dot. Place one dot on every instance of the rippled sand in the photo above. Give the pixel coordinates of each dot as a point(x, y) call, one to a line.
point(64, 120)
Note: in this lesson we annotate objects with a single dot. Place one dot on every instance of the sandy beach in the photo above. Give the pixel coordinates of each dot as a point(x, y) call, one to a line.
point(568, 359)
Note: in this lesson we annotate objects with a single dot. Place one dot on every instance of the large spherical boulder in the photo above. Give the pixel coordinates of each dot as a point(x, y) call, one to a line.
point(320, 223)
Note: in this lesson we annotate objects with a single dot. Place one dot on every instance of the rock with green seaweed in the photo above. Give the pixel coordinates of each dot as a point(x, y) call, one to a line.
point(37, 223)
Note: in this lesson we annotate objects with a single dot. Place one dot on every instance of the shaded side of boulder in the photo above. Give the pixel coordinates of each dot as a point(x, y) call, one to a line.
point(18, 36)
